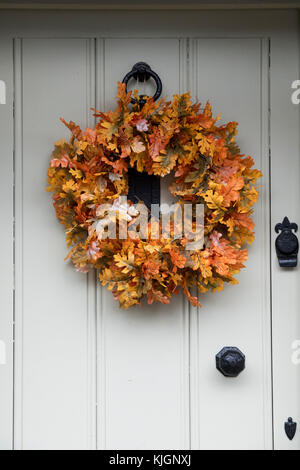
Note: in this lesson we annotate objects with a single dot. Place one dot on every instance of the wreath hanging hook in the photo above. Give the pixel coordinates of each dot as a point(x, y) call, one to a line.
point(142, 71)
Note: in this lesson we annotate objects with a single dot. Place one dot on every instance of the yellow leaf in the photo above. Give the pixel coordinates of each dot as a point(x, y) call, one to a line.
point(213, 200)
point(69, 186)
point(76, 173)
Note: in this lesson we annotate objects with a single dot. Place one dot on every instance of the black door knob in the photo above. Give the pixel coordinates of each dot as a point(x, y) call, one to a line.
point(230, 361)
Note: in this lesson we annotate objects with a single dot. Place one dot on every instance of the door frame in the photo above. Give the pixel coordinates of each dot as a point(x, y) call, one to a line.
point(193, 5)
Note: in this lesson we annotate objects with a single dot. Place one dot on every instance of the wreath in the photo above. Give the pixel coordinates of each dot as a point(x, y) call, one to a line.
point(89, 178)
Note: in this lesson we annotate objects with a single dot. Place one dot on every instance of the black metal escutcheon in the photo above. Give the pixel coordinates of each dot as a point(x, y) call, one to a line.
point(143, 187)
point(290, 428)
point(286, 244)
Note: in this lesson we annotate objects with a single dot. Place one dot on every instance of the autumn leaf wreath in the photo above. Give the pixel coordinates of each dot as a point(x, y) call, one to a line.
point(91, 172)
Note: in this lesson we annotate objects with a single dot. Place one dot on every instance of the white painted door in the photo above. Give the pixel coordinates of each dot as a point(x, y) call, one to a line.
point(87, 375)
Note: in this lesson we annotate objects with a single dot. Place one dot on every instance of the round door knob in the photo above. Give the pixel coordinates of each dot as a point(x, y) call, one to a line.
point(230, 361)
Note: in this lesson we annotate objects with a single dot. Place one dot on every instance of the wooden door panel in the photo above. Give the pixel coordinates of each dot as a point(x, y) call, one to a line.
point(143, 368)
point(53, 78)
point(7, 271)
point(233, 75)
point(285, 174)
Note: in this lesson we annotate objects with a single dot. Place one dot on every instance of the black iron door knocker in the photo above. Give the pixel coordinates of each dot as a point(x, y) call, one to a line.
point(142, 71)
point(143, 187)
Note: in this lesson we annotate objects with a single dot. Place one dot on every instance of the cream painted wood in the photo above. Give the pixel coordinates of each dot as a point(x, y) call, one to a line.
point(54, 306)
point(145, 351)
point(6, 273)
point(239, 66)
point(285, 173)
point(153, 375)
